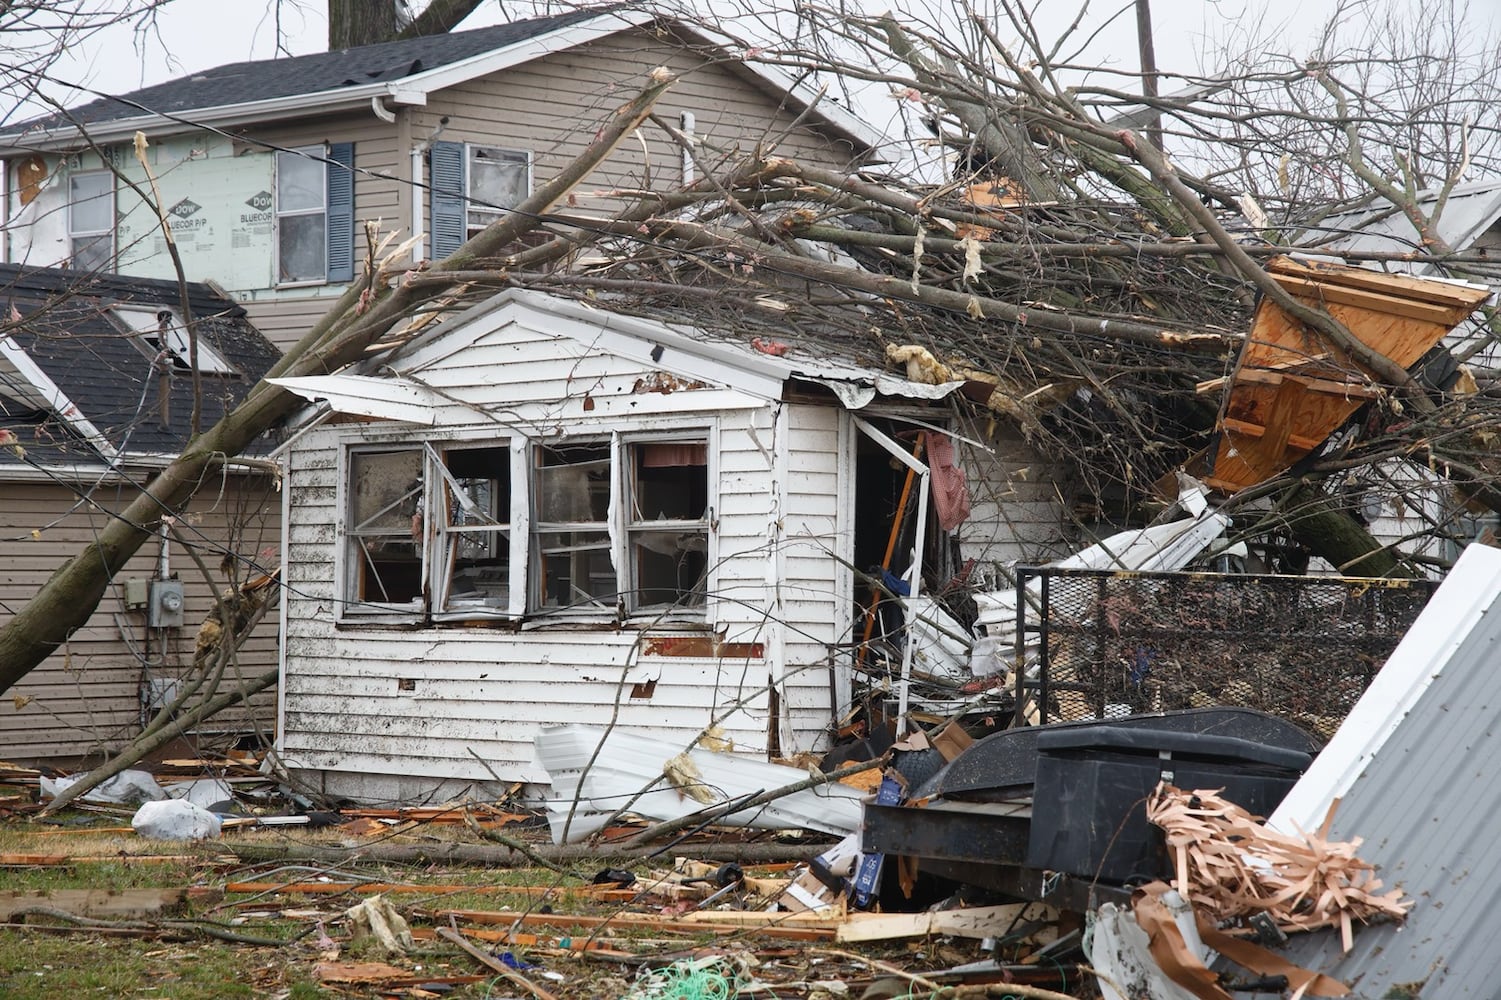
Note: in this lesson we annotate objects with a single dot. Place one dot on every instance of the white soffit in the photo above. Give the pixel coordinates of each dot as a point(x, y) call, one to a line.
point(367, 396)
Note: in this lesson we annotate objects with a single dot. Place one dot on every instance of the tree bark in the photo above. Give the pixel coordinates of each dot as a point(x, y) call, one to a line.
point(67, 600)
point(361, 22)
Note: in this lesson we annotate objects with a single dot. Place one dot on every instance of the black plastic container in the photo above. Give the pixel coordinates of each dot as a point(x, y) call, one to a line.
point(1089, 799)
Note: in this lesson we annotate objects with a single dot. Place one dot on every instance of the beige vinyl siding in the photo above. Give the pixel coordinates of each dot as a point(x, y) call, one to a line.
point(553, 106)
point(84, 699)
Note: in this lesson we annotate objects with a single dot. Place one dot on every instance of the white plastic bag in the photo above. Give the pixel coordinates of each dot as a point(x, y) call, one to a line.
point(175, 819)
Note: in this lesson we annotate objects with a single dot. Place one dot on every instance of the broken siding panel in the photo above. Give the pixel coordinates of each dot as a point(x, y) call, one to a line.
point(353, 701)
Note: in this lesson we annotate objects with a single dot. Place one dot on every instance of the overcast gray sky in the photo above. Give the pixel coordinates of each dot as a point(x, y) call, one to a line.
point(194, 34)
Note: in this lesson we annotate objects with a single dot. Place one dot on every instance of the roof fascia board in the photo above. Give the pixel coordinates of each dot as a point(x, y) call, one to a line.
point(191, 120)
point(367, 396)
point(414, 90)
point(779, 80)
point(55, 397)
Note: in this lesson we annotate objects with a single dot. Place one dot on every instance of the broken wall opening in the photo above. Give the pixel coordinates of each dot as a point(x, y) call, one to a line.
point(1301, 648)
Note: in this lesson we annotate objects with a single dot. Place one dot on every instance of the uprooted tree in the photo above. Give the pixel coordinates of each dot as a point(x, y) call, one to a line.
point(1094, 281)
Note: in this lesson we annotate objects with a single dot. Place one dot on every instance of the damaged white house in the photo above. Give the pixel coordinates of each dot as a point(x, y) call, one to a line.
point(542, 512)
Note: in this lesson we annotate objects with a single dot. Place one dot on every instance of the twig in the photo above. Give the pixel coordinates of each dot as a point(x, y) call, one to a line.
point(449, 934)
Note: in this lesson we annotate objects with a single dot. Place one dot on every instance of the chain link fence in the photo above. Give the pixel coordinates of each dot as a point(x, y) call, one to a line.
point(1104, 643)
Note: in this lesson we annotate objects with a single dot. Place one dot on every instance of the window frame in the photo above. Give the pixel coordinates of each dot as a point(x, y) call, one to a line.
point(489, 213)
point(439, 540)
point(92, 235)
point(318, 154)
point(351, 563)
point(446, 535)
point(633, 526)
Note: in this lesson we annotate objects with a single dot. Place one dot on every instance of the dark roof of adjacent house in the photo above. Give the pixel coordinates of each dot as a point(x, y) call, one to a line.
point(402, 71)
point(96, 367)
point(265, 79)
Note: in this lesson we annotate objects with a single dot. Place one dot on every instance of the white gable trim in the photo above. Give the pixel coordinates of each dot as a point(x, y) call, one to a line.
point(669, 348)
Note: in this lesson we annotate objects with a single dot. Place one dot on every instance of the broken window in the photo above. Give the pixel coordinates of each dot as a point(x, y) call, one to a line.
point(476, 529)
point(668, 529)
point(594, 528)
point(160, 329)
point(498, 180)
point(91, 220)
point(301, 215)
point(385, 530)
point(571, 504)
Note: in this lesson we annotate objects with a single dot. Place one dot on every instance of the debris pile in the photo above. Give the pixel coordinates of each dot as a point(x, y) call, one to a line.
point(1234, 870)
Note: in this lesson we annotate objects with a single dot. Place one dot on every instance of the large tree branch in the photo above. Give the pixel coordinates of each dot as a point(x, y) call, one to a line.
point(69, 597)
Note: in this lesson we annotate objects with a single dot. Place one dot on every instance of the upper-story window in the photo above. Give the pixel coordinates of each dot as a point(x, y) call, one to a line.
point(472, 186)
point(91, 220)
point(314, 209)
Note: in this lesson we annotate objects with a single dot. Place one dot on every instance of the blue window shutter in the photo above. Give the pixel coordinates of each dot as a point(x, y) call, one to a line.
point(446, 175)
point(341, 211)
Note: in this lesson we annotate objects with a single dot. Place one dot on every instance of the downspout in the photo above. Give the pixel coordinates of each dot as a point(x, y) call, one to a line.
point(419, 231)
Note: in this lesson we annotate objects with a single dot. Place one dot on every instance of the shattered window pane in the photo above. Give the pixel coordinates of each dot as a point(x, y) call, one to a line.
point(385, 527)
point(571, 535)
point(498, 179)
point(477, 538)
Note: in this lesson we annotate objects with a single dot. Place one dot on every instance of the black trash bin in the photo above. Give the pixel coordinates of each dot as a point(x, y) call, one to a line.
point(1089, 814)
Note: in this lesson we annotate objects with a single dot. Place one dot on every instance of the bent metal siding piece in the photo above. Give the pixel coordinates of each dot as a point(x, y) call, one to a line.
point(627, 763)
point(1417, 769)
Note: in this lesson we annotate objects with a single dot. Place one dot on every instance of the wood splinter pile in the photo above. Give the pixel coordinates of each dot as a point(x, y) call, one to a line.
point(1231, 867)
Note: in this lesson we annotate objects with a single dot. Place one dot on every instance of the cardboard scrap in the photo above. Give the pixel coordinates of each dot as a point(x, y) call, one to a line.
point(1231, 867)
point(1178, 962)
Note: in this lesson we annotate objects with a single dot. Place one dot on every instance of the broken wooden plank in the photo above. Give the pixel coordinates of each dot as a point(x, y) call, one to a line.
point(786, 928)
point(970, 922)
point(494, 965)
point(604, 893)
point(106, 902)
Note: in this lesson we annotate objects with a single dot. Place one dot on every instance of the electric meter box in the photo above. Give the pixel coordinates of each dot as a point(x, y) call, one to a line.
point(164, 609)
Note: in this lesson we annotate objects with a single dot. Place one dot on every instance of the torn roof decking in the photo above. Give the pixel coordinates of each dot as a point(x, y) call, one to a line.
point(1292, 388)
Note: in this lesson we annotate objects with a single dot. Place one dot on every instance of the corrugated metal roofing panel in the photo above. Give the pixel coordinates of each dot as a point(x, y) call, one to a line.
point(1470, 210)
point(1424, 799)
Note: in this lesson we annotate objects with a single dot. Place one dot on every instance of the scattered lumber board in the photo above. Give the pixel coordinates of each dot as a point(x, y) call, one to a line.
point(100, 903)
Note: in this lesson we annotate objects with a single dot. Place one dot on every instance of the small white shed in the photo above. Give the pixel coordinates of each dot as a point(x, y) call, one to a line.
point(543, 512)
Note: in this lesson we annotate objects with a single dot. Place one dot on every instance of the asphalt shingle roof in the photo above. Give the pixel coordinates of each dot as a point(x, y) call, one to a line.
point(66, 329)
point(267, 79)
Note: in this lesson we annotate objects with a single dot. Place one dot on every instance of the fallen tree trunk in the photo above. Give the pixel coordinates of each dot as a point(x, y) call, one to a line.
point(357, 320)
